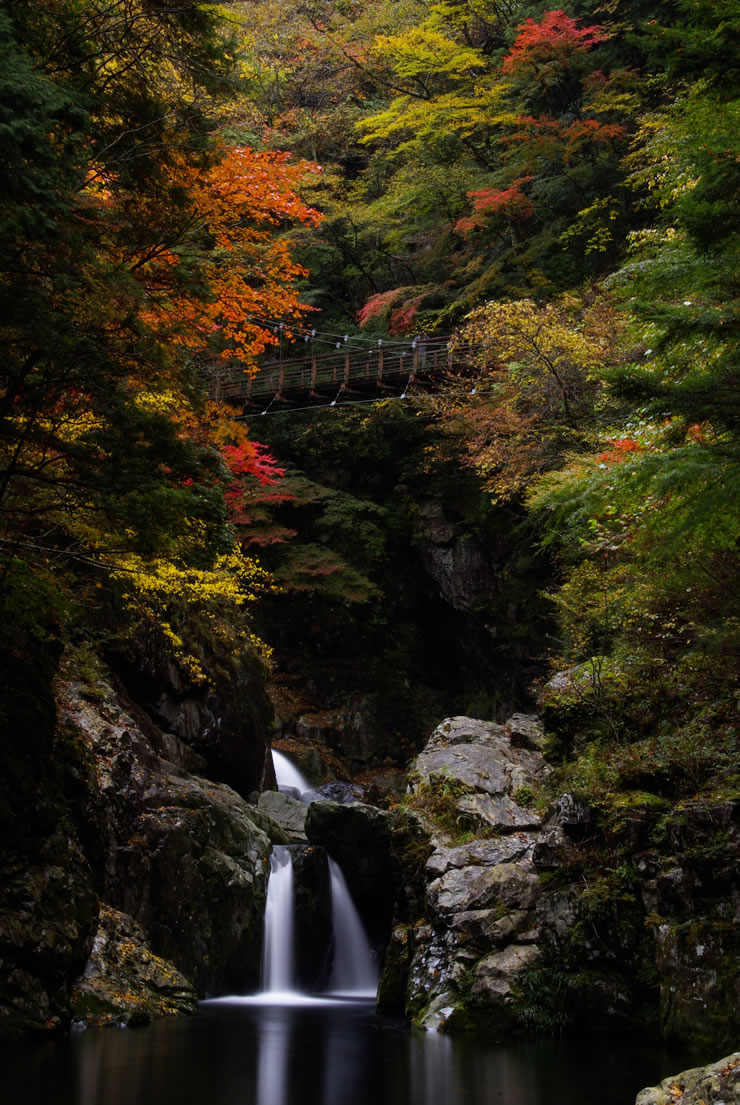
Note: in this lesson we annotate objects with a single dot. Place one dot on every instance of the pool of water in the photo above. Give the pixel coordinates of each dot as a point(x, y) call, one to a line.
point(241, 1052)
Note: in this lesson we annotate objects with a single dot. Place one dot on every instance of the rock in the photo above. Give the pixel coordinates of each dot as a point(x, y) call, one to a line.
point(511, 886)
point(553, 849)
point(481, 897)
point(575, 819)
point(457, 562)
point(526, 731)
point(502, 813)
point(124, 983)
point(482, 929)
point(496, 974)
point(473, 765)
point(675, 892)
point(485, 852)
point(391, 997)
point(350, 730)
point(556, 912)
point(716, 1084)
point(289, 813)
point(223, 720)
point(312, 917)
point(445, 1013)
point(360, 838)
point(48, 912)
point(182, 855)
point(336, 791)
point(479, 755)
point(466, 730)
point(434, 973)
point(699, 981)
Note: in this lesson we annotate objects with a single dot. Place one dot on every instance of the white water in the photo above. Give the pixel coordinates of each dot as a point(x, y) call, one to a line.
point(287, 774)
point(354, 971)
point(277, 961)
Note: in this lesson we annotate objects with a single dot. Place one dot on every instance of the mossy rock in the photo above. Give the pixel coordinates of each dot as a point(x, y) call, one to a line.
point(124, 983)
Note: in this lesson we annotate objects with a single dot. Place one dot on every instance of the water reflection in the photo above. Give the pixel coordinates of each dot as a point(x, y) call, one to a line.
point(430, 1069)
point(273, 1059)
point(336, 1053)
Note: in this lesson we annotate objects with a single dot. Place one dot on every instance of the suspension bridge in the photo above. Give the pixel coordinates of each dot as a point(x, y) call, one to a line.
point(346, 374)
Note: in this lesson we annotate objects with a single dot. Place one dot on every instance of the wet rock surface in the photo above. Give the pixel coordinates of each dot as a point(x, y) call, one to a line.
point(523, 923)
point(124, 983)
point(463, 958)
point(177, 860)
point(361, 840)
point(222, 722)
point(288, 812)
point(312, 917)
point(716, 1084)
point(183, 855)
point(48, 914)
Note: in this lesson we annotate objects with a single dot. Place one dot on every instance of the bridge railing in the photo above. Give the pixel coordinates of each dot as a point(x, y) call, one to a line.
point(380, 366)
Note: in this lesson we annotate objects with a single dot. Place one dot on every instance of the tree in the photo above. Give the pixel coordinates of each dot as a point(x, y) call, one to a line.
point(536, 396)
point(154, 248)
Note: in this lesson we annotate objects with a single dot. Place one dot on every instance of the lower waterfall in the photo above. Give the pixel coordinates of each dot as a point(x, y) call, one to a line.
point(277, 955)
point(354, 970)
point(353, 973)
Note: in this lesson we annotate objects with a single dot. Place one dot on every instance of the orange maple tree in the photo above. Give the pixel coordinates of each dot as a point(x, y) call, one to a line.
point(238, 210)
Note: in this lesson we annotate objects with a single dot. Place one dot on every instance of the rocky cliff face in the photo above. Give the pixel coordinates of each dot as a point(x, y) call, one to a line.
point(512, 918)
point(478, 930)
point(146, 883)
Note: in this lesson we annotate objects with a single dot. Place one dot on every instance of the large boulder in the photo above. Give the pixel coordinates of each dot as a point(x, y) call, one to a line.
point(457, 562)
point(288, 812)
point(48, 916)
point(124, 983)
point(476, 932)
point(700, 984)
point(360, 838)
point(185, 857)
point(312, 917)
point(483, 768)
point(716, 1084)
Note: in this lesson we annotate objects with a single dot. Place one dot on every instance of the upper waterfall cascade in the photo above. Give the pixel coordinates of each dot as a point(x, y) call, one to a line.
point(287, 774)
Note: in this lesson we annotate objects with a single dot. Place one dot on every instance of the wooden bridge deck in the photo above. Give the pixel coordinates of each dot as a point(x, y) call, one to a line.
point(374, 371)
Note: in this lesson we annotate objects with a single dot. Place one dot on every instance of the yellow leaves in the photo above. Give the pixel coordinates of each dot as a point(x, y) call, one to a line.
point(449, 113)
point(441, 93)
point(536, 391)
point(159, 402)
point(167, 594)
point(521, 332)
point(423, 53)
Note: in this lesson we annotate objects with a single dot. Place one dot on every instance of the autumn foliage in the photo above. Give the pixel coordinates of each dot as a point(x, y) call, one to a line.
point(554, 40)
point(158, 251)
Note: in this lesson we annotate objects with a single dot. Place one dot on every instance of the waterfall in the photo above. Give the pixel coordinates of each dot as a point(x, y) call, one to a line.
point(287, 774)
point(353, 971)
point(277, 964)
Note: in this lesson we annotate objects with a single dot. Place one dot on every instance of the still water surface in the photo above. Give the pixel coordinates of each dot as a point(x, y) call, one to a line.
point(334, 1053)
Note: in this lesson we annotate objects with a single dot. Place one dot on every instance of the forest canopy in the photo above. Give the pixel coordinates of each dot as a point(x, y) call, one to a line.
point(559, 185)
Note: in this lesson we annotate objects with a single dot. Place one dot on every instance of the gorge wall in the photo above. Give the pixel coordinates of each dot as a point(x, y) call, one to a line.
point(141, 884)
point(131, 882)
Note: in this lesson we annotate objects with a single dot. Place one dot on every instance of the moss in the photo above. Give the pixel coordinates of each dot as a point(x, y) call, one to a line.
point(459, 1020)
